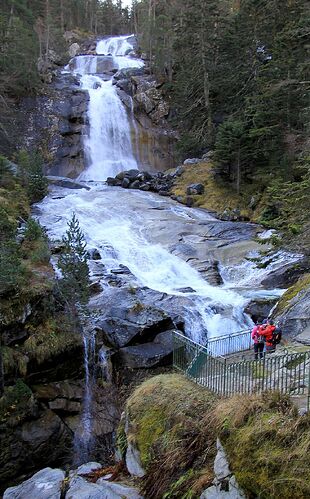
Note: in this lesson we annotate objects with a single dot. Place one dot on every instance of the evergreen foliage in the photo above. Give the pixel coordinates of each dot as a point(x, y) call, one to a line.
point(237, 74)
point(31, 175)
point(73, 265)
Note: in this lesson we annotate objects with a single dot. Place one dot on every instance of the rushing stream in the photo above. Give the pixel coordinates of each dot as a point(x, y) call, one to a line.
point(143, 231)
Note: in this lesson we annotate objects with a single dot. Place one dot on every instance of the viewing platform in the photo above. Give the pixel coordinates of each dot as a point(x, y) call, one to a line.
point(226, 366)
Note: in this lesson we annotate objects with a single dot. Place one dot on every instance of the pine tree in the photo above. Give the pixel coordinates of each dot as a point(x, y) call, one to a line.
point(73, 265)
point(231, 149)
point(31, 175)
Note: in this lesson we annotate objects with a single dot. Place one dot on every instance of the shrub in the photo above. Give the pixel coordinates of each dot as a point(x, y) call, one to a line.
point(31, 175)
point(34, 231)
point(12, 271)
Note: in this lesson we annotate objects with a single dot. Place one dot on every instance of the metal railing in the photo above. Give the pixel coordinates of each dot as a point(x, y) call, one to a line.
point(230, 343)
point(288, 373)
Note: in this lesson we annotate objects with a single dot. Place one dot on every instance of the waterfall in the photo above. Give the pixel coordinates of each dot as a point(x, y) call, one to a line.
point(108, 146)
point(141, 231)
point(83, 436)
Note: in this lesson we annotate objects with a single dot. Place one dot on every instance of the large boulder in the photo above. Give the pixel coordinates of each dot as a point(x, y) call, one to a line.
point(293, 311)
point(30, 439)
point(102, 489)
point(74, 49)
point(66, 182)
point(126, 73)
point(194, 189)
point(144, 102)
point(63, 397)
point(46, 484)
point(156, 353)
point(140, 323)
point(287, 274)
point(259, 309)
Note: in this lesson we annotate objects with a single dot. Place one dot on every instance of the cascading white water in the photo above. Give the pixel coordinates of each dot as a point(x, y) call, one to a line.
point(108, 147)
point(83, 436)
point(115, 220)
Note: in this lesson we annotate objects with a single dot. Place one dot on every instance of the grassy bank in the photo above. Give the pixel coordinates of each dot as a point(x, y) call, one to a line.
point(175, 423)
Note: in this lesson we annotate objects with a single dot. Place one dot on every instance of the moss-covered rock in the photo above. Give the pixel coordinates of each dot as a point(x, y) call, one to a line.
point(175, 424)
point(164, 424)
point(292, 311)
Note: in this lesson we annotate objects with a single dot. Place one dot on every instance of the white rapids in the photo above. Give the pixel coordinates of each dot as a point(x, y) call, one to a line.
point(141, 230)
point(116, 221)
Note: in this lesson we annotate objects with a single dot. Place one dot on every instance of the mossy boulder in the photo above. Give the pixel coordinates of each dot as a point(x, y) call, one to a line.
point(164, 425)
point(292, 311)
point(175, 425)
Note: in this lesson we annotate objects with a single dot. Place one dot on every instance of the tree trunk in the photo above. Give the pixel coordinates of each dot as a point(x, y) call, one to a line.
point(1, 373)
point(206, 79)
point(62, 16)
point(238, 169)
point(10, 20)
point(47, 28)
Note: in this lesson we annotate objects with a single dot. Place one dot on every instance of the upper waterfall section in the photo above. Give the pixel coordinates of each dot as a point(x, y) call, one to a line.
point(108, 145)
point(112, 54)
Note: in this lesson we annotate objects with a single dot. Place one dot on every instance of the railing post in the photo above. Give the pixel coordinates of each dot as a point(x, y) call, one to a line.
point(224, 381)
point(308, 398)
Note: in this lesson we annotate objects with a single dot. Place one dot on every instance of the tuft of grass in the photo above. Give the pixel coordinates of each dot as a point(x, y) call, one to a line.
point(268, 445)
point(165, 425)
point(14, 361)
point(49, 340)
point(138, 307)
point(175, 423)
point(218, 195)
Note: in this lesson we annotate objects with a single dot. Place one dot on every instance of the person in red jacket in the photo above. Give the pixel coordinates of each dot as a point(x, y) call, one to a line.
point(267, 330)
point(258, 342)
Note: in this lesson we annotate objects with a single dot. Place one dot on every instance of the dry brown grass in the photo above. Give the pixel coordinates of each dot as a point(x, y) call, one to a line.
point(175, 423)
point(218, 195)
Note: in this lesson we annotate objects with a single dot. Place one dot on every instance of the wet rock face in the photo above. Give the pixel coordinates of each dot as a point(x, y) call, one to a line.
point(154, 140)
point(122, 326)
point(34, 437)
point(55, 122)
point(153, 354)
point(295, 317)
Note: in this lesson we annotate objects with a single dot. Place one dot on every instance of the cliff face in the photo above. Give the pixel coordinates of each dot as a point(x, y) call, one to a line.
point(55, 121)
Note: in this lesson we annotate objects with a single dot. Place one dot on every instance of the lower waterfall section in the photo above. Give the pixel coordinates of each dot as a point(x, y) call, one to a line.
point(83, 437)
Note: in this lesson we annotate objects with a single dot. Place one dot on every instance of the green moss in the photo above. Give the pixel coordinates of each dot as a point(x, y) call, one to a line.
point(264, 446)
point(165, 425)
point(14, 361)
point(175, 425)
point(49, 340)
point(152, 425)
point(15, 400)
point(301, 286)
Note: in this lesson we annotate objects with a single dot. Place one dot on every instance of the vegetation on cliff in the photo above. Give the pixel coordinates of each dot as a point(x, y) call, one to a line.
point(34, 326)
point(236, 74)
point(174, 425)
